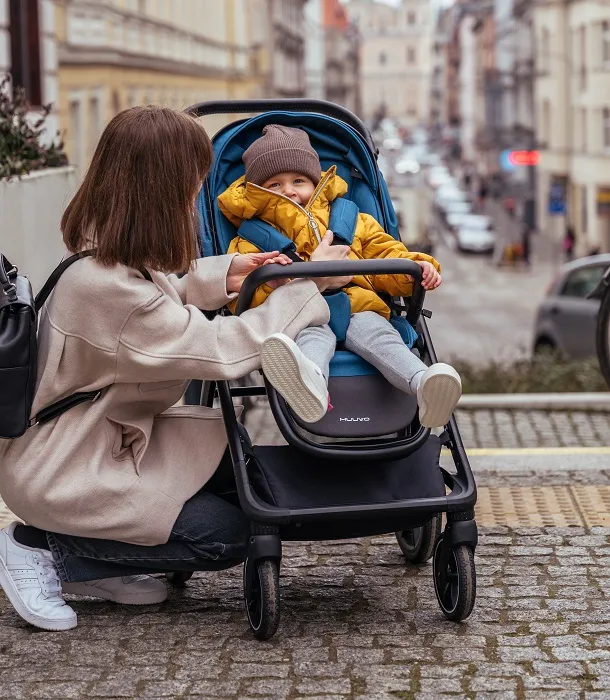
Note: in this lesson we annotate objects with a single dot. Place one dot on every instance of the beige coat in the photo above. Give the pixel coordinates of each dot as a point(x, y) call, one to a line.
point(122, 468)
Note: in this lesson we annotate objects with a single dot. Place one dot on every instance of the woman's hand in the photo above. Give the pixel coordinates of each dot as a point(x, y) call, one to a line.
point(242, 265)
point(431, 279)
point(327, 252)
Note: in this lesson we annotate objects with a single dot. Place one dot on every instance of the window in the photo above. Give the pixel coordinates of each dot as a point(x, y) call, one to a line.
point(75, 134)
point(583, 57)
point(411, 17)
point(583, 210)
point(583, 130)
point(383, 58)
point(25, 48)
point(95, 122)
point(545, 51)
point(606, 44)
point(606, 127)
point(546, 123)
point(410, 55)
point(583, 281)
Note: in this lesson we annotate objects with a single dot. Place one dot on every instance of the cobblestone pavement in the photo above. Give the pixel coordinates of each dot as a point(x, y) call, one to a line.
point(492, 428)
point(357, 623)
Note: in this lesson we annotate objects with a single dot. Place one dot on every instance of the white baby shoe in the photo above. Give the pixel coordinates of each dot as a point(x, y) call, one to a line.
point(438, 393)
point(295, 377)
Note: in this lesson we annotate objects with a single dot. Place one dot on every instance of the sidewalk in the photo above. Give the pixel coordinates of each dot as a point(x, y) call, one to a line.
point(357, 623)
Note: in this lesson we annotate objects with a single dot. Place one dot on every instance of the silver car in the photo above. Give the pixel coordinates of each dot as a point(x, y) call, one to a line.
point(566, 318)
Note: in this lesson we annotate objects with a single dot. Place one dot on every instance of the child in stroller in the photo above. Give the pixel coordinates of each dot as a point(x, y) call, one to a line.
point(284, 187)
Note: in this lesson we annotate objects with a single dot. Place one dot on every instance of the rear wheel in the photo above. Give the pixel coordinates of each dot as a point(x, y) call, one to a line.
point(417, 543)
point(455, 580)
point(262, 597)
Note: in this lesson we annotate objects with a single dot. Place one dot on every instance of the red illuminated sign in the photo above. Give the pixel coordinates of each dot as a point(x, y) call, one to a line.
point(524, 158)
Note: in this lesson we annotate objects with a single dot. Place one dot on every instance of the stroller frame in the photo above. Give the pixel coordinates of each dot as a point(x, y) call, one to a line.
point(453, 550)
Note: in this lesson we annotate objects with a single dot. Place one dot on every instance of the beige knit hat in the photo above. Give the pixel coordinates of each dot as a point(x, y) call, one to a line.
point(281, 149)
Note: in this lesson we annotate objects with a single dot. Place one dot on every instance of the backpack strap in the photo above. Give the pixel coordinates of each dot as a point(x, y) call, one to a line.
point(344, 219)
point(266, 238)
point(49, 285)
point(68, 402)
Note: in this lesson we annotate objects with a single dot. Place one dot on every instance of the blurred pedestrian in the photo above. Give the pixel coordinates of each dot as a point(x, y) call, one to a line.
point(569, 241)
point(483, 194)
point(525, 244)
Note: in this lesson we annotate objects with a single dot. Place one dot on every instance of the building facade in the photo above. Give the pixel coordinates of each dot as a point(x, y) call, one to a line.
point(115, 54)
point(342, 56)
point(395, 58)
point(315, 50)
point(572, 95)
point(277, 37)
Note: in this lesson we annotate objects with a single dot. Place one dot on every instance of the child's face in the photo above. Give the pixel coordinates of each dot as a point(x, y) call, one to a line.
point(295, 186)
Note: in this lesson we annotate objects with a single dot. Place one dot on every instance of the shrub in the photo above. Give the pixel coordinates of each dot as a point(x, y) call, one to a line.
point(21, 150)
point(540, 374)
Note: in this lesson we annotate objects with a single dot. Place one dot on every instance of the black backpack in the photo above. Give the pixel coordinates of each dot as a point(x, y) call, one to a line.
point(19, 350)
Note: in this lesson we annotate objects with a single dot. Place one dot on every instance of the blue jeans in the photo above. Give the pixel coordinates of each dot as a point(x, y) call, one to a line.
point(211, 533)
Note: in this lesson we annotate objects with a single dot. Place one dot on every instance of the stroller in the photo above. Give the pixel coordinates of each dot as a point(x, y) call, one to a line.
point(368, 467)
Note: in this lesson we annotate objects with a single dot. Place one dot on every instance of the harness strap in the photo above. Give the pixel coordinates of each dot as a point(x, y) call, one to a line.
point(344, 220)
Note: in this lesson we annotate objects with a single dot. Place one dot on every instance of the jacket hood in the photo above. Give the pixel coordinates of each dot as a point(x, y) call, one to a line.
point(246, 201)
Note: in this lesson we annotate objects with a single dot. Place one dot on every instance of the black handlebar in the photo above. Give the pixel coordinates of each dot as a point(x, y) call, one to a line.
point(300, 104)
point(343, 268)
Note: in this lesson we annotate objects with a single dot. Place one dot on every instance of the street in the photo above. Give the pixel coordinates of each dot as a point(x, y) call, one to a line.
point(482, 312)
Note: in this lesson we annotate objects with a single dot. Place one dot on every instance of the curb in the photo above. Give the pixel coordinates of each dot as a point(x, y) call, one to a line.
point(571, 401)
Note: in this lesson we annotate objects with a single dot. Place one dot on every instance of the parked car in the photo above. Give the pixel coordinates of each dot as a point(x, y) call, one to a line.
point(473, 239)
point(473, 221)
point(452, 207)
point(407, 165)
point(439, 175)
point(566, 319)
point(449, 193)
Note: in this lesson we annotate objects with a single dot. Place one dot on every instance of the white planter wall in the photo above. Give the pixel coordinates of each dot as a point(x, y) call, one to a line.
point(30, 214)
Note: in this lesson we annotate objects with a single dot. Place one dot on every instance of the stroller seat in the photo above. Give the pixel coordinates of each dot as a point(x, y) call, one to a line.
point(365, 405)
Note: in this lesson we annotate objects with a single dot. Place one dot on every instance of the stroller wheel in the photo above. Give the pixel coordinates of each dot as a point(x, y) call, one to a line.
point(178, 578)
point(262, 596)
point(417, 543)
point(455, 580)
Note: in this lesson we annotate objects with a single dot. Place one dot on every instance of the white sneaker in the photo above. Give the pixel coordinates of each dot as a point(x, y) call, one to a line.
point(29, 579)
point(298, 379)
point(129, 590)
point(438, 392)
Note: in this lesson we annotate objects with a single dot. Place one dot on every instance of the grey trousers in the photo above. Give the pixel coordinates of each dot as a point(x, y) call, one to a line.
point(374, 339)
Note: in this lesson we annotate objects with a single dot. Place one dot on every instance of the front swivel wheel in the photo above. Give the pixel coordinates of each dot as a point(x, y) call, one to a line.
point(262, 596)
point(455, 580)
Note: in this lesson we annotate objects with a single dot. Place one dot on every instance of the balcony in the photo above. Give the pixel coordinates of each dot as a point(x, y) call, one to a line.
point(106, 34)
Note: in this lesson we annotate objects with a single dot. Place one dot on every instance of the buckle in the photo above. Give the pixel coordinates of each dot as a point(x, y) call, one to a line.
point(97, 396)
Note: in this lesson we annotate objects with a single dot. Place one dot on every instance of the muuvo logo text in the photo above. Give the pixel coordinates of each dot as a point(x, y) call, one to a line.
point(355, 420)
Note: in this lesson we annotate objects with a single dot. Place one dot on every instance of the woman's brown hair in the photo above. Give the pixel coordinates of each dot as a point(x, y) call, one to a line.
point(135, 204)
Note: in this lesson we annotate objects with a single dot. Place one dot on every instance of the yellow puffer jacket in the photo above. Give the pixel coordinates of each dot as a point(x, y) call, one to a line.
point(247, 201)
